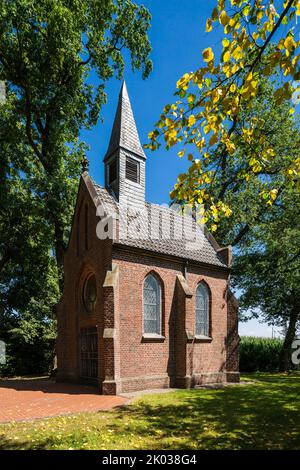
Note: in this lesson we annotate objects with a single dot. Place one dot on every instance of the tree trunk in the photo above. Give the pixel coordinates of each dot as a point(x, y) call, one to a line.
point(285, 353)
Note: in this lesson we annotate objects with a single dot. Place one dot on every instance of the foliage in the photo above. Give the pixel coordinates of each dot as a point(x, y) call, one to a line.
point(48, 53)
point(29, 346)
point(267, 271)
point(256, 45)
point(263, 414)
point(266, 236)
point(27, 314)
point(260, 354)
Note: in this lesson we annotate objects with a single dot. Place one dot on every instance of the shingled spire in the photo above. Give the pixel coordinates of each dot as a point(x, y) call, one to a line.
point(125, 158)
point(124, 132)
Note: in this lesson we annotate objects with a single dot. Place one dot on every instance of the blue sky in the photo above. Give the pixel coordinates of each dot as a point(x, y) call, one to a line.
point(178, 37)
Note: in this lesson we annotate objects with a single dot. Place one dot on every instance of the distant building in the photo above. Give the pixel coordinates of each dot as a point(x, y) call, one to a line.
point(146, 302)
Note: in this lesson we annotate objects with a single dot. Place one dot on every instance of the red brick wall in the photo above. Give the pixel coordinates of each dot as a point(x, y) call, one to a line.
point(85, 254)
point(206, 358)
point(232, 340)
point(174, 360)
point(127, 361)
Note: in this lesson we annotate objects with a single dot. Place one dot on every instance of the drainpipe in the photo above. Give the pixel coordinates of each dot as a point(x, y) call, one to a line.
point(185, 268)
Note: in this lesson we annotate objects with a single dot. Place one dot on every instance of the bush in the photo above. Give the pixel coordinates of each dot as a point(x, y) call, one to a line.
point(29, 346)
point(259, 354)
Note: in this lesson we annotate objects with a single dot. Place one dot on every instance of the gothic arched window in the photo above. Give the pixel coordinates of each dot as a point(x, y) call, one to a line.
point(202, 310)
point(152, 305)
point(90, 293)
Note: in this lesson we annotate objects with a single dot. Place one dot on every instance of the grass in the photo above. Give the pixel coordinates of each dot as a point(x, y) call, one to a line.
point(262, 415)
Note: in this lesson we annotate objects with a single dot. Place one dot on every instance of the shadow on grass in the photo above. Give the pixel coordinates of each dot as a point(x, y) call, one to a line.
point(19, 444)
point(263, 415)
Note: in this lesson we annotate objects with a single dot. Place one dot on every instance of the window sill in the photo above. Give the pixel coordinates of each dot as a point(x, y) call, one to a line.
point(152, 337)
point(200, 338)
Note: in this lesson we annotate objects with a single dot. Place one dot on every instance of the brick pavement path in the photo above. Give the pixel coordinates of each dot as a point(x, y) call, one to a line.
point(28, 399)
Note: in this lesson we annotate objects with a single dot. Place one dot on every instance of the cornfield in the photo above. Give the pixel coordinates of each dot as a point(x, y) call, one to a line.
point(259, 354)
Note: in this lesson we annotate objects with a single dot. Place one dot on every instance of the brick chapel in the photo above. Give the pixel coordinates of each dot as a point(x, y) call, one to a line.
point(146, 301)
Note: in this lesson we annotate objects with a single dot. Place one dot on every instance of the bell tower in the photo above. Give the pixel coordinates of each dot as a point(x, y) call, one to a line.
point(125, 158)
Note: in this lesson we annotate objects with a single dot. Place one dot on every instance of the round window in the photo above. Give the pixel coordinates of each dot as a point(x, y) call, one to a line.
point(90, 293)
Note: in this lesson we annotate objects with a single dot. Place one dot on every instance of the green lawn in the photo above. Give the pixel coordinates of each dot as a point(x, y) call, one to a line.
point(261, 415)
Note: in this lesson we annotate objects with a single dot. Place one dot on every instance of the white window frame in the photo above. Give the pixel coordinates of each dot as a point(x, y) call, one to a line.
point(158, 331)
point(202, 328)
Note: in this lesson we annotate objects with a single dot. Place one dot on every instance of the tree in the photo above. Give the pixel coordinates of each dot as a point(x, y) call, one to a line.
point(267, 261)
point(211, 99)
point(28, 272)
point(47, 52)
point(256, 229)
point(243, 196)
point(268, 272)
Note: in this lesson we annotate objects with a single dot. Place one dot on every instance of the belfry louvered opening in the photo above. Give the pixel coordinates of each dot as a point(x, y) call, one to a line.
point(112, 171)
point(132, 170)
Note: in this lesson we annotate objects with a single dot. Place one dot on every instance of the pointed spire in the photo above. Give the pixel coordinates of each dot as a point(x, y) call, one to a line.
point(124, 132)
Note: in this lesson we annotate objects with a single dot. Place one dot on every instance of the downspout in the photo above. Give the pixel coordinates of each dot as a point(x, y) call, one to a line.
point(185, 268)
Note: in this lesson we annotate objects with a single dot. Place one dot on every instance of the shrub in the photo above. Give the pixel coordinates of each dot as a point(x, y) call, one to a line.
point(29, 346)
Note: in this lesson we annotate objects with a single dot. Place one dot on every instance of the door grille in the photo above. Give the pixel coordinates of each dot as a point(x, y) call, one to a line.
point(89, 353)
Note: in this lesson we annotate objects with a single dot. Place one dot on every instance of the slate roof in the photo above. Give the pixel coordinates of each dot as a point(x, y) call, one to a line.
point(124, 132)
point(191, 242)
point(157, 229)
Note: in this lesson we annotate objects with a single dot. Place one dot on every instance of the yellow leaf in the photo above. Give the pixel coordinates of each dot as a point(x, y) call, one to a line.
point(298, 9)
point(191, 98)
point(237, 53)
point(213, 228)
point(234, 69)
point(208, 55)
point(215, 96)
point(224, 18)
point(215, 14)
point(249, 77)
point(208, 25)
point(181, 153)
point(273, 194)
point(183, 82)
point(227, 212)
point(289, 44)
point(213, 140)
point(225, 42)
point(226, 56)
point(191, 120)
point(233, 87)
point(259, 16)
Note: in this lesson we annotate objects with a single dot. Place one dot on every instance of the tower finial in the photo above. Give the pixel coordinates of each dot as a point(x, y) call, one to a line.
point(84, 164)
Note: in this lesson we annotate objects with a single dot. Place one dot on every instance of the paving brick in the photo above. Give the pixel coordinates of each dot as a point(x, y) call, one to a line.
point(22, 400)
